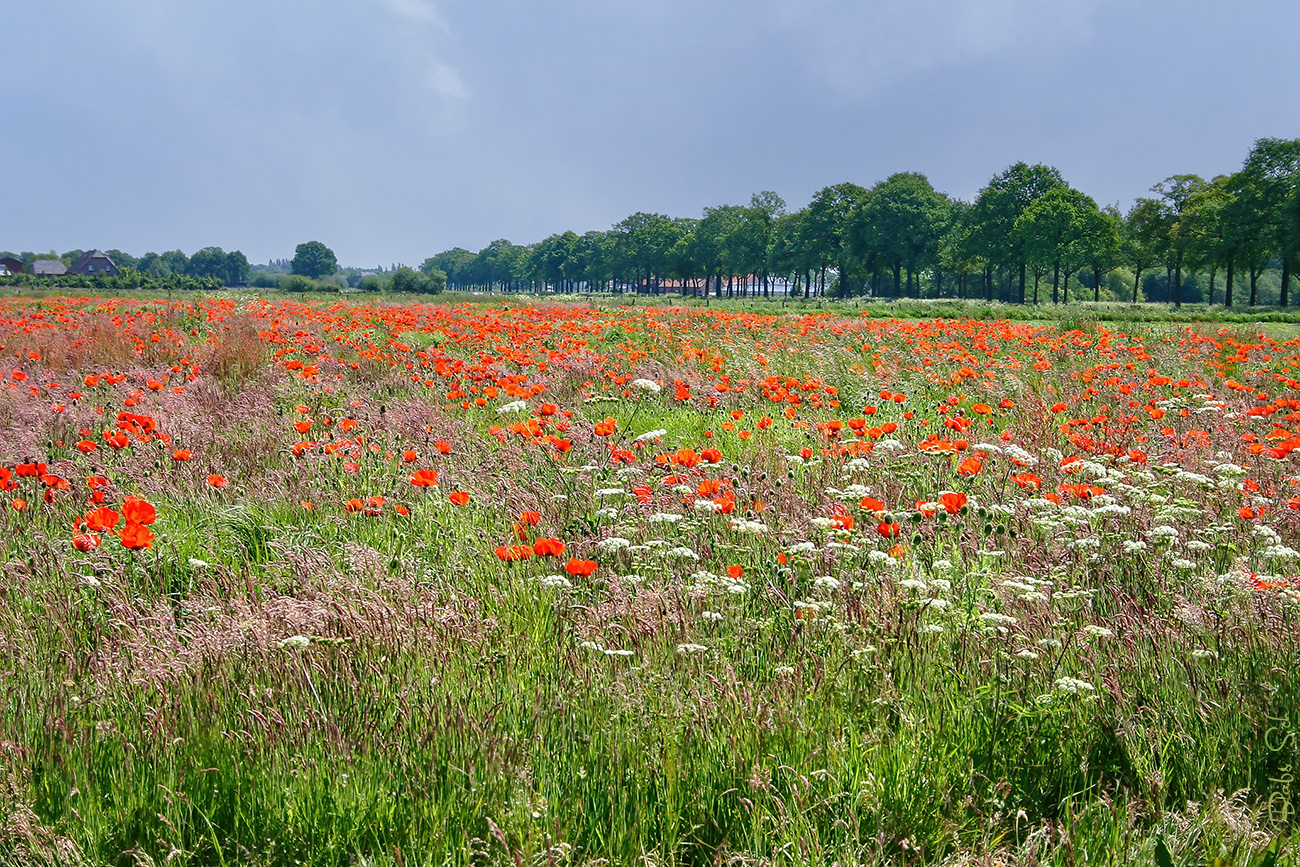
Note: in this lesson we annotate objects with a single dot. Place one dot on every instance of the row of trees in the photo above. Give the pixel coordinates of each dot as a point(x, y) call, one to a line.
point(1027, 234)
point(230, 269)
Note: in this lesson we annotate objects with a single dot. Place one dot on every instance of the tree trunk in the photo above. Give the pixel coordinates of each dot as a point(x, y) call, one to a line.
point(1254, 281)
point(1178, 280)
point(1056, 282)
point(1037, 277)
point(1286, 278)
point(1022, 282)
point(1065, 290)
point(1137, 283)
point(1096, 284)
point(988, 283)
point(1231, 271)
point(898, 280)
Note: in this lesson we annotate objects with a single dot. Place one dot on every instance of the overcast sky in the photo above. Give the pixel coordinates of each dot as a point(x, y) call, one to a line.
point(394, 129)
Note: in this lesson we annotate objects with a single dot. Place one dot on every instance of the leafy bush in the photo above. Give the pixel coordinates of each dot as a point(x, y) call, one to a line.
point(296, 283)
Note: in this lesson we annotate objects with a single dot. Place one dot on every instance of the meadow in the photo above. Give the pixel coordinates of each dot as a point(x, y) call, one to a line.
point(336, 582)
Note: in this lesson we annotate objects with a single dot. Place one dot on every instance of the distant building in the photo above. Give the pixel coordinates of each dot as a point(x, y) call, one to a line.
point(49, 267)
point(12, 265)
point(92, 263)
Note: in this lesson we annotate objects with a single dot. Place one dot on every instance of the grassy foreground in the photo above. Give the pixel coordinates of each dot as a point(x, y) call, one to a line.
point(567, 584)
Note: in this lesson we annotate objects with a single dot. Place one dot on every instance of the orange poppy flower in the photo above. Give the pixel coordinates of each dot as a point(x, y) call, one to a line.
point(952, 501)
point(424, 478)
point(138, 511)
point(459, 498)
point(580, 568)
point(182, 455)
point(735, 573)
point(136, 537)
point(548, 548)
point(217, 481)
point(102, 520)
point(970, 467)
point(889, 529)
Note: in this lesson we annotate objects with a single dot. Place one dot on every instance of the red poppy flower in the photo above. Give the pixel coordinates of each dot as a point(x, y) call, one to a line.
point(888, 529)
point(580, 568)
point(952, 501)
point(85, 542)
point(138, 511)
point(182, 455)
point(136, 537)
point(459, 498)
point(530, 518)
point(424, 478)
point(548, 548)
point(735, 573)
point(102, 520)
point(217, 481)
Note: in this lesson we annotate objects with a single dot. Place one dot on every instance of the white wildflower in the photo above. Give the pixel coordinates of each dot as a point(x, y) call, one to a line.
point(294, 642)
point(648, 385)
point(651, 435)
point(1073, 685)
point(613, 545)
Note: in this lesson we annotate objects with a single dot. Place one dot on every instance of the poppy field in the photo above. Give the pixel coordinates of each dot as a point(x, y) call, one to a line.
point(309, 582)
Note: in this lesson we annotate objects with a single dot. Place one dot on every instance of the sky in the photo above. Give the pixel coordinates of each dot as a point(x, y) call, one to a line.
point(391, 130)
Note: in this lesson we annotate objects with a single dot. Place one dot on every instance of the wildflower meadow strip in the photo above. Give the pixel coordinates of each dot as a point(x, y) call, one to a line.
point(295, 582)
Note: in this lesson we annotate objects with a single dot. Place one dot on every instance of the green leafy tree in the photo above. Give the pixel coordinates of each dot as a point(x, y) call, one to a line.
point(791, 255)
point(455, 264)
point(208, 262)
point(593, 259)
point(1099, 244)
point(715, 248)
point(1176, 192)
point(992, 218)
point(409, 280)
point(1144, 238)
point(642, 244)
point(827, 226)
point(1269, 182)
point(237, 269)
point(1206, 231)
point(902, 222)
point(123, 260)
point(313, 260)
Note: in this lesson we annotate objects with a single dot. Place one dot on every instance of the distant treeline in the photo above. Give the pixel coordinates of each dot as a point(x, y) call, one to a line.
point(1028, 237)
point(172, 269)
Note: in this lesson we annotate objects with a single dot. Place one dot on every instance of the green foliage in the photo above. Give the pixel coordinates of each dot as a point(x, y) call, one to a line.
point(297, 283)
point(314, 260)
point(409, 280)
